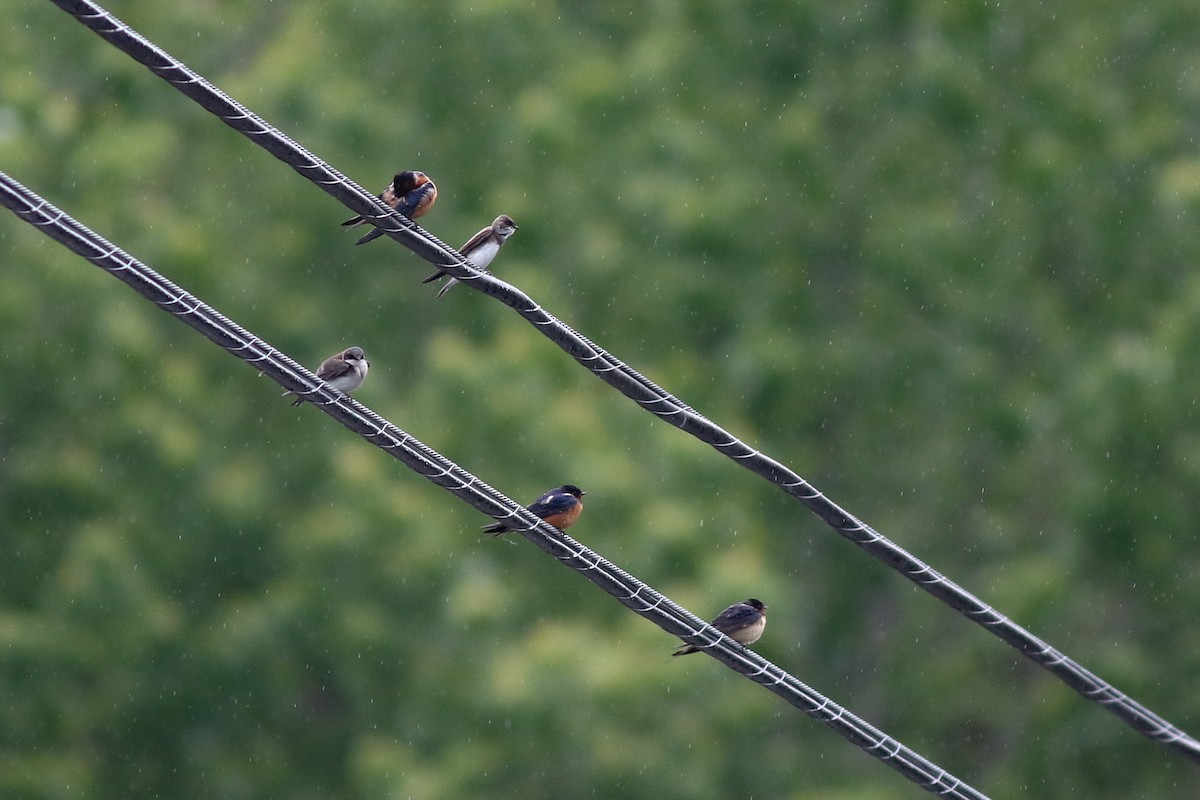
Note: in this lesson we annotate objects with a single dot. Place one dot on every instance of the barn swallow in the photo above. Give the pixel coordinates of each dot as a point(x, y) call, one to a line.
point(743, 622)
point(410, 193)
point(560, 507)
point(344, 372)
point(481, 248)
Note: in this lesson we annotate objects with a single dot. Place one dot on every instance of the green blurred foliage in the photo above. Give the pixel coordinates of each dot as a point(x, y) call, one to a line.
point(939, 258)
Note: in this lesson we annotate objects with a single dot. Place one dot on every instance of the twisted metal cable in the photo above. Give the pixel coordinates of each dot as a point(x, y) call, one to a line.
point(626, 380)
point(441, 471)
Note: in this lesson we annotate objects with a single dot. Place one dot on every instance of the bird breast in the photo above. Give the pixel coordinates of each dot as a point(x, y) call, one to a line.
point(482, 256)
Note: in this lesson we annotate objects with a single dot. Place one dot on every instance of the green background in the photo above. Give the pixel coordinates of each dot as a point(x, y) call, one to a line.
point(940, 258)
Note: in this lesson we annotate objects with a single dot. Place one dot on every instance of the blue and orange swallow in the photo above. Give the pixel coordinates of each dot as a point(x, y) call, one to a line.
point(560, 507)
point(743, 622)
point(410, 193)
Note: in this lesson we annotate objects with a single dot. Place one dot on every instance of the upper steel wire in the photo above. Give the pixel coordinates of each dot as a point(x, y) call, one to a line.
point(427, 462)
point(628, 381)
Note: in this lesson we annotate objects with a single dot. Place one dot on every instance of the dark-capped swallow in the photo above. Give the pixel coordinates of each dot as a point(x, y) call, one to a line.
point(345, 371)
point(560, 507)
point(481, 248)
point(743, 622)
point(411, 194)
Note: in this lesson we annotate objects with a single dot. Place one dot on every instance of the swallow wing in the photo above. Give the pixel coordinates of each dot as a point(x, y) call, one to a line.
point(736, 617)
point(552, 503)
point(472, 243)
point(332, 368)
point(413, 199)
point(476, 240)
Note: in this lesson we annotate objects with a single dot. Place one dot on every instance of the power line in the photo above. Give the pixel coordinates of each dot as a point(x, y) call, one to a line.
point(431, 465)
point(628, 381)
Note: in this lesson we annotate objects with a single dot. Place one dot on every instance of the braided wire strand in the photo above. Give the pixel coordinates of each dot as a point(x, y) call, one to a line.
point(628, 381)
point(628, 590)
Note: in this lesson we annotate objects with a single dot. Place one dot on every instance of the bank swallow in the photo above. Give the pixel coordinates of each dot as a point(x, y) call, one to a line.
point(481, 248)
point(344, 371)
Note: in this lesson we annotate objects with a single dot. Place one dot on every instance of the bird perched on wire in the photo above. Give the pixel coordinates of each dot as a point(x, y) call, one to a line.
point(743, 622)
point(412, 194)
point(344, 371)
point(560, 507)
point(481, 248)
